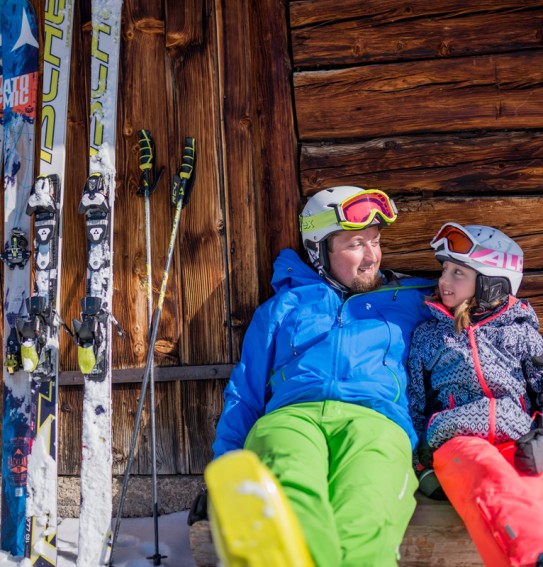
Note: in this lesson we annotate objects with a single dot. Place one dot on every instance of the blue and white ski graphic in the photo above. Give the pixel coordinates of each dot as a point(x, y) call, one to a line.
point(19, 90)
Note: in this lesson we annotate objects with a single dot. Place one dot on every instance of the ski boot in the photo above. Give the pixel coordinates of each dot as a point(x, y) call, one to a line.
point(252, 522)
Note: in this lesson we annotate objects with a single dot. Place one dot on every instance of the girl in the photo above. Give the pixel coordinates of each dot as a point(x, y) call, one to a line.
point(475, 373)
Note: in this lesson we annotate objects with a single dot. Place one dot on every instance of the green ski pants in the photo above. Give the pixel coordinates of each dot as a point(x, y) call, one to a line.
point(347, 472)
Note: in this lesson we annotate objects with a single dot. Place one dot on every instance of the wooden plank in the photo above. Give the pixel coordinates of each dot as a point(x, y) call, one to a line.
point(478, 163)
point(70, 401)
point(357, 41)
point(74, 261)
point(162, 374)
point(125, 401)
point(317, 12)
point(126, 398)
point(185, 26)
point(531, 289)
point(205, 334)
point(237, 138)
point(487, 92)
point(144, 48)
point(172, 439)
point(532, 286)
point(276, 152)
point(406, 243)
point(192, 100)
point(201, 411)
point(435, 536)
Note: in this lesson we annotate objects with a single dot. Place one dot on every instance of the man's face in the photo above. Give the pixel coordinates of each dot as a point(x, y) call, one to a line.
point(355, 257)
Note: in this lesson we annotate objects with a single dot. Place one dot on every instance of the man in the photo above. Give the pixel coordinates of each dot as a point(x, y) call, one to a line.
point(319, 392)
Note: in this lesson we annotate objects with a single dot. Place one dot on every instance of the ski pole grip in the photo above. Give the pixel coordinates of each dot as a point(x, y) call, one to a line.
point(146, 161)
point(146, 151)
point(183, 181)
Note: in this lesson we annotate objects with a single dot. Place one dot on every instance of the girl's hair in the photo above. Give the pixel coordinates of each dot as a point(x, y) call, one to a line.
point(463, 313)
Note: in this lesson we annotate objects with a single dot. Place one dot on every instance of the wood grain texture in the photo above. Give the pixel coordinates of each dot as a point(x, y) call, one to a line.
point(238, 135)
point(145, 108)
point(278, 198)
point(476, 163)
point(373, 39)
point(435, 536)
point(492, 92)
point(318, 12)
point(438, 103)
point(405, 243)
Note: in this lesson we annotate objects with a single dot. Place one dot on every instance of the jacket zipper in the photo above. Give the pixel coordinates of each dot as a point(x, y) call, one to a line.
point(384, 362)
point(479, 371)
point(484, 385)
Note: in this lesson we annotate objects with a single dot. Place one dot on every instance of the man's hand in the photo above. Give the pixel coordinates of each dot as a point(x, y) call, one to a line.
point(198, 510)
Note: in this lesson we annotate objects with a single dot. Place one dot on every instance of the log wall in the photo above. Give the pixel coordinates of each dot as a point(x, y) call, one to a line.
point(437, 103)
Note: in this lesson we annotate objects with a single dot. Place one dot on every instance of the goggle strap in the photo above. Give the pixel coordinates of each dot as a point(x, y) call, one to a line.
point(319, 221)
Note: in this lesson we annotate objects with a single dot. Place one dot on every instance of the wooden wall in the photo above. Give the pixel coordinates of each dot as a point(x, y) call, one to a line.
point(438, 103)
point(217, 71)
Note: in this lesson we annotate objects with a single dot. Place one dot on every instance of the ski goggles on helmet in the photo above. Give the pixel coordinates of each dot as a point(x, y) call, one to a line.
point(453, 238)
point(366, 208)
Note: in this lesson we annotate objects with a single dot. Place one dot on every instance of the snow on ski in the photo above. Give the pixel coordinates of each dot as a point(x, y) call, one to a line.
point(93, 331)
point(39, 331)
point(20, 81)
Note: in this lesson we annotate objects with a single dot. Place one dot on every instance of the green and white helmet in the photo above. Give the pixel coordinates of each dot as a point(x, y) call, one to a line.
point(341, 208)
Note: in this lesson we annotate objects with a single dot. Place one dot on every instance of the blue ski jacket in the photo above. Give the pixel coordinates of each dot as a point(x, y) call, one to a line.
point(311, 343)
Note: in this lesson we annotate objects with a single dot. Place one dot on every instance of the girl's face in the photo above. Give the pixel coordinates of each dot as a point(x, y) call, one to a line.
point(456, 284)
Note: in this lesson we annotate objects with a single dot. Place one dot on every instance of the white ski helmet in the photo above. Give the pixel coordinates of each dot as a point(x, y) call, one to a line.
point(497, 259)
point(341, 208)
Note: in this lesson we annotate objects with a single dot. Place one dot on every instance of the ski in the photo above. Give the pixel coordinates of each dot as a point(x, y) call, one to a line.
point(39, 330)
point(93, 330)
point(19, 88)
point(1, 100)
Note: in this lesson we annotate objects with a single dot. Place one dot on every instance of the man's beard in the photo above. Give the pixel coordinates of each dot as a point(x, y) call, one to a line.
point(365, 285)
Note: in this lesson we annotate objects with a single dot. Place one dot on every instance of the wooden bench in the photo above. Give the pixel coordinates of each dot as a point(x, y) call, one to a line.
point(436, 536)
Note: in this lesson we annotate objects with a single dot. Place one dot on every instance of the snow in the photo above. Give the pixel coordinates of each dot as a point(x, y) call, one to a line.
point(134, 544)
point(96, 482)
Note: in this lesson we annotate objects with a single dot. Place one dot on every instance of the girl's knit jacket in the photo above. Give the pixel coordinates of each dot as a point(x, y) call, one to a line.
point(478, 383)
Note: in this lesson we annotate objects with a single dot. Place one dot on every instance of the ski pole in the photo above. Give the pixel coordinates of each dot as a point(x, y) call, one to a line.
point(146, 187)
point(182, 186)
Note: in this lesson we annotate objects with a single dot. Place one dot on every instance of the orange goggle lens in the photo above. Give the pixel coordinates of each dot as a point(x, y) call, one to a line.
point(457, 240)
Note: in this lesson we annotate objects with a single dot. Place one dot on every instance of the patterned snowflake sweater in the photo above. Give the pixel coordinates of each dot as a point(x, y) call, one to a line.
point(476, 383)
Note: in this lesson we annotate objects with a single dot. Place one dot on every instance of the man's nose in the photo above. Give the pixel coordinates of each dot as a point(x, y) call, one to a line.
point(371, 254)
